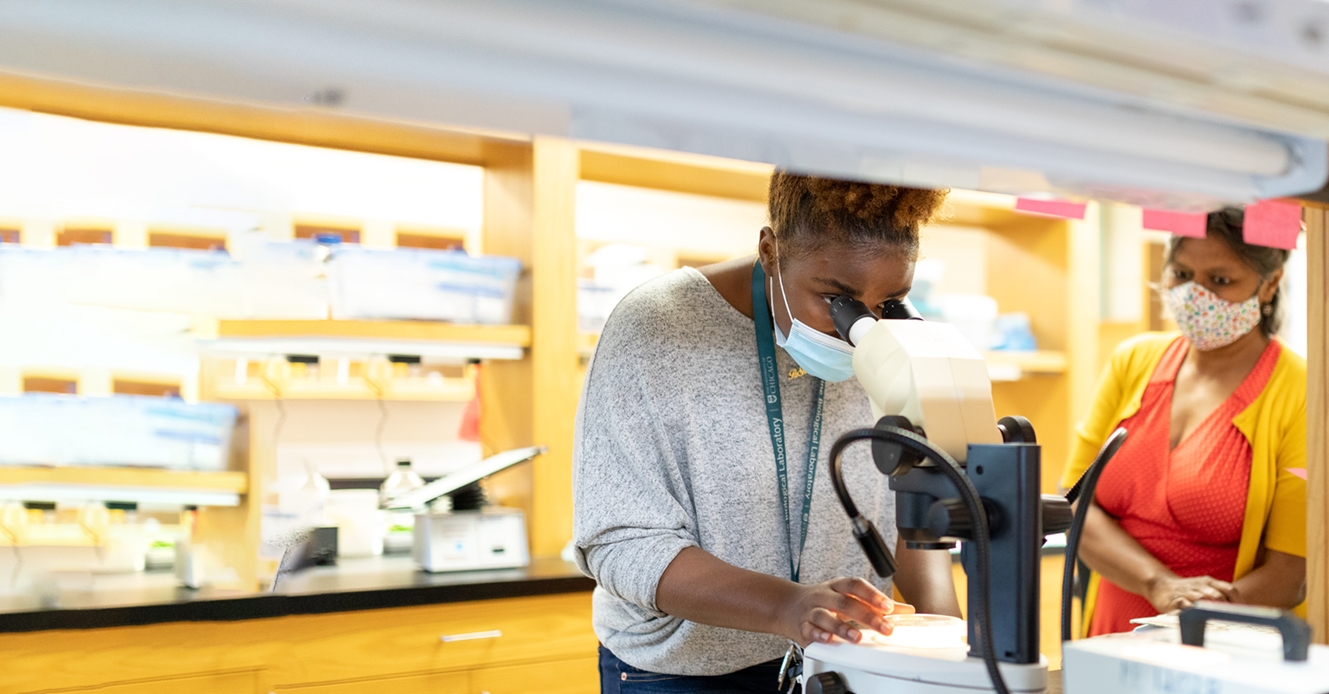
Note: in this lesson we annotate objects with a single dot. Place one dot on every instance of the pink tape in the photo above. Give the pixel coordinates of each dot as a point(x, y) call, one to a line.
point(1052, 208)
point(1272, 223)
point(1179, 223)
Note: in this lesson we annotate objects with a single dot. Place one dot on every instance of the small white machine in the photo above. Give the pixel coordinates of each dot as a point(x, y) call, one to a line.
point(490, 538)
point(959, 475)
point(471, 535)
point(1228, 657)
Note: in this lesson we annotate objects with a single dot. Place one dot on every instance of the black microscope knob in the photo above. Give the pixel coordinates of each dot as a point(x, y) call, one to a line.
point(825, 683)
point(1057, 514)
point(950, 518)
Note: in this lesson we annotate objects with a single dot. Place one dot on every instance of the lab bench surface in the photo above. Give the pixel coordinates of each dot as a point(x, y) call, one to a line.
point(94, 602)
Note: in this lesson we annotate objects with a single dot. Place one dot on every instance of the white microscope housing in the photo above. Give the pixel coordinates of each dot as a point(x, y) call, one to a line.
point(930, 374)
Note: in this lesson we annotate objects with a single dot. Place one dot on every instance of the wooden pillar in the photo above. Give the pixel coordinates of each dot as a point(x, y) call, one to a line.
point(1083, 309)
point(1317, 420)
point(530, 195)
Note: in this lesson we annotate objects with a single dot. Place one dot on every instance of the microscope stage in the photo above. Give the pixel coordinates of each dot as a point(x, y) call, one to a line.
point(874, 666)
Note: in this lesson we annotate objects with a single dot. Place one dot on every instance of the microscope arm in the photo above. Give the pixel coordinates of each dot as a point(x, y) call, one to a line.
point(973, 504)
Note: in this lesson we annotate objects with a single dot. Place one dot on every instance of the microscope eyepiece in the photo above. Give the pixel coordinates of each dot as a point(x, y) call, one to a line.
point(845, 312)
point(900, 309)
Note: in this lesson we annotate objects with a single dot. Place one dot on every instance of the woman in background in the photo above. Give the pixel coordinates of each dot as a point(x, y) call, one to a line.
point(1206, 500)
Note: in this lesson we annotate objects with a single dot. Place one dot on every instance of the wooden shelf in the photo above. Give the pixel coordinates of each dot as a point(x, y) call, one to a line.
point(366, 338)
point(224, 481)
point(184, 487)
point(675, 171)
point(586, 343)
point(987, 210)
point(397, 391)
point(510, 335)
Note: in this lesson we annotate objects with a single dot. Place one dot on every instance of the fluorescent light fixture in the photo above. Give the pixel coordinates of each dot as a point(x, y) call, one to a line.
point(696, 76)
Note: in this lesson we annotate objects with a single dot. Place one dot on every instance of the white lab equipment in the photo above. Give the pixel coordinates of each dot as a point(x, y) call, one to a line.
point(471, 535)
point(1213, 647)
point(953, 466)
point(361, 526)
point(492, 538)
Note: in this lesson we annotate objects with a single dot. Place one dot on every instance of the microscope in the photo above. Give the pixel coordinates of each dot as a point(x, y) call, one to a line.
point(959, 475)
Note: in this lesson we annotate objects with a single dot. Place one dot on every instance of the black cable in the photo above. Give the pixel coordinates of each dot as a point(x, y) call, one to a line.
point(1084, 488)
point(973, 505)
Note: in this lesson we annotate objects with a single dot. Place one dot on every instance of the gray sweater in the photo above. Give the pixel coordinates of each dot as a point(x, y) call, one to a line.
point(673, 451)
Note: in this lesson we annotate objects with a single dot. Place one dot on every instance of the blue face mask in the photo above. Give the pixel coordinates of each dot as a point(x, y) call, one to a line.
point(828, 358)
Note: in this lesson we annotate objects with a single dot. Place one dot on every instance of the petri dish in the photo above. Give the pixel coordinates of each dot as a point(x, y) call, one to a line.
point(925, 631)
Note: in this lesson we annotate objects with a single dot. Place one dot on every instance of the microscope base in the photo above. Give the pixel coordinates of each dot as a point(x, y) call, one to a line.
point(873, 668)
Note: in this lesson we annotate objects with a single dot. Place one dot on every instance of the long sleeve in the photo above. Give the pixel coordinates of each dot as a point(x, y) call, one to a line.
point(631, 507)
point(1286, 529)
point(1097, 426)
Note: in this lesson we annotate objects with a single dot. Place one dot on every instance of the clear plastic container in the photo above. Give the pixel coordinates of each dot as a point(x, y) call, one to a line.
point(121, 430)
point(402, 480)
point(401, 528)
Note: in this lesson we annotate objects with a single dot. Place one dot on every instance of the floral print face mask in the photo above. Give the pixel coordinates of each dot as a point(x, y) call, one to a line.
point(1208, 321)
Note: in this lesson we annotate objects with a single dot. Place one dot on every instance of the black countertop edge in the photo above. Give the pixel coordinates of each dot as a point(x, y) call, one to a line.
point(264, 606)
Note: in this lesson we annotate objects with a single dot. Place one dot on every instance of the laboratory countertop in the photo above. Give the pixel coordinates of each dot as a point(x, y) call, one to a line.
point(96, 601)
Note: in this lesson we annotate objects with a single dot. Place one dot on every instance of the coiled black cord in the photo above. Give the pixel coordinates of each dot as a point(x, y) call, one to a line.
point(973, 505)
point(1084, 488)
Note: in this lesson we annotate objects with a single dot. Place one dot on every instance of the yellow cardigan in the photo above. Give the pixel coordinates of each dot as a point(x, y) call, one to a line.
point(1274, 424)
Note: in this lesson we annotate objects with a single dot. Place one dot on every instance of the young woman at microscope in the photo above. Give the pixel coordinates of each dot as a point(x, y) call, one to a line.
point(713, 534)
point(1204, 500)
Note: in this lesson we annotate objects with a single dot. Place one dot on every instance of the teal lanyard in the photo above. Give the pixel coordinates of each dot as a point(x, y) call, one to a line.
point(770, 383)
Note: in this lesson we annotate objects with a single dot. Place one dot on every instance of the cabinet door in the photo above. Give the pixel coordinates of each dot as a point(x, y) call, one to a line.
point(432, 638)
point(217, 683)
point(431, 683)
point(580, 676)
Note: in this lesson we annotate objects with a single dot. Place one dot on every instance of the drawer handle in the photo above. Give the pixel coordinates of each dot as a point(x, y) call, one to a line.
point(473, 636)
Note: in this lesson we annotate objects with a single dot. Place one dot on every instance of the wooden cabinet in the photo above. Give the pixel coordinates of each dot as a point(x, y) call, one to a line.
point(564, 677)
point(540, 643)
point(460, 636)
point(243, 682)
point(428, 683)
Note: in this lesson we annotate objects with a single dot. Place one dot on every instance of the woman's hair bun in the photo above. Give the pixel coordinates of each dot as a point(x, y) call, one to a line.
point(906, 208)
point(810, 209)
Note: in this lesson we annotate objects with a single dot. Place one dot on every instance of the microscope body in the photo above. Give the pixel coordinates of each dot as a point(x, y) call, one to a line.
point(925, 379)
point(928, 516)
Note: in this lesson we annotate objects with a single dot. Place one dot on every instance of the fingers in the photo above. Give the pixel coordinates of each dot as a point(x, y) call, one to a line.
point(869, 594)
point(864, 591)
point(850, 607)
point(845, 609)
point(822, 624)
point(1223, 588)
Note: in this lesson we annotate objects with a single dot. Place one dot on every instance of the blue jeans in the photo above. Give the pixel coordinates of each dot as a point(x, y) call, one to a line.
point(617, 677)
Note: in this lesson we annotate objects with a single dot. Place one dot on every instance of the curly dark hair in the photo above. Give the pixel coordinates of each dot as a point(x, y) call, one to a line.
point(807, 210)
point(1227, 225)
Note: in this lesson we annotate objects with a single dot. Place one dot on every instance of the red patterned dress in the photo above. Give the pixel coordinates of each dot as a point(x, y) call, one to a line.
point(1185, 506)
